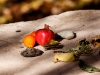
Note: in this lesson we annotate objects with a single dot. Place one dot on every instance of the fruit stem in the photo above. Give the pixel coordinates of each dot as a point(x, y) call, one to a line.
point(46, 26)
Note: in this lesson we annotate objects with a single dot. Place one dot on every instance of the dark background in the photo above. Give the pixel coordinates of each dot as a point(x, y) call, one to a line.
point(26, 10)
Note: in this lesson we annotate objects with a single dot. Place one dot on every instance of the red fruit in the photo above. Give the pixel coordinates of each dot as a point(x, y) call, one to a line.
point(44, 36)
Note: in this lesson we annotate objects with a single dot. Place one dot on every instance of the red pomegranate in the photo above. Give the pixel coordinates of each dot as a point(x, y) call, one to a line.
point(44, 36)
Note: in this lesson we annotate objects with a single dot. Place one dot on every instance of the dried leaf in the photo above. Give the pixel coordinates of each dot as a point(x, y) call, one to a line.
point(96, 41)
point(83, 42)
point(31, 52)
point(53, 45)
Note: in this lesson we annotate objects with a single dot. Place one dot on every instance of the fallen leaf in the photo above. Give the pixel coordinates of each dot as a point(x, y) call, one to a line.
point(84, 66)
point(64, 57)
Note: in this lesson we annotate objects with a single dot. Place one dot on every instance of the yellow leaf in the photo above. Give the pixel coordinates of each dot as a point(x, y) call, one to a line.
point(64, 57)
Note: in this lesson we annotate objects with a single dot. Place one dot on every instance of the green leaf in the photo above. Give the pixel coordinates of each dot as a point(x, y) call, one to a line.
point(84, 66)
point(53, 42)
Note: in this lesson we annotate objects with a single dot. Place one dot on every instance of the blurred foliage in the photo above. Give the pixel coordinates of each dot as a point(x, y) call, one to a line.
point(25, 10)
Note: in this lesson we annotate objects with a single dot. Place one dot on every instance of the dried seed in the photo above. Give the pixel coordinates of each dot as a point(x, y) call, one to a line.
point(18, 31)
